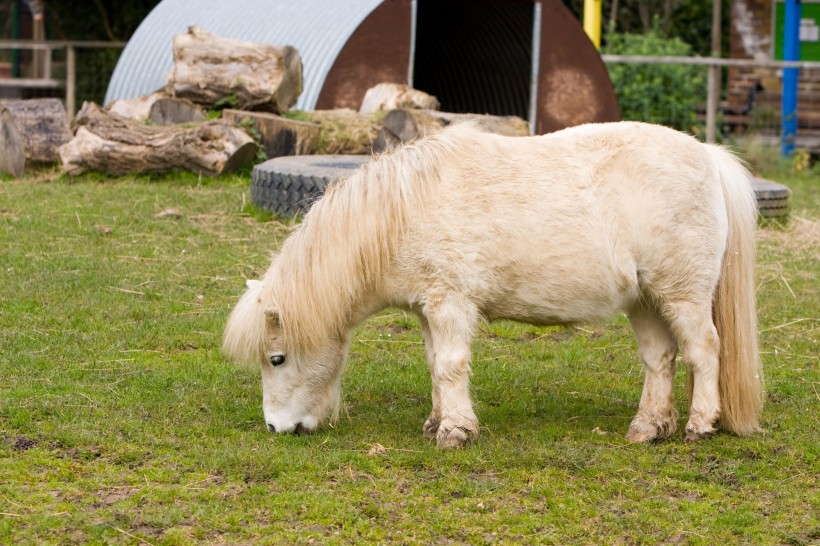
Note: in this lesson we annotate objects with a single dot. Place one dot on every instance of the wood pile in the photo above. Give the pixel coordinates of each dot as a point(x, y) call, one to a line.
point(249, 88)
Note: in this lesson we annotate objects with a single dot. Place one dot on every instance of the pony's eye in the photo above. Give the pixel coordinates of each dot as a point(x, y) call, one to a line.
point(277, 359)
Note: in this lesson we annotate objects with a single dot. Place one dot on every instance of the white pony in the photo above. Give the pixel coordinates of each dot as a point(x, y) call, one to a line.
point(554, 229)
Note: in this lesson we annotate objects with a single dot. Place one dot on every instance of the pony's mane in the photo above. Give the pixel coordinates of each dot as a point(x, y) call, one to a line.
point(349, 236)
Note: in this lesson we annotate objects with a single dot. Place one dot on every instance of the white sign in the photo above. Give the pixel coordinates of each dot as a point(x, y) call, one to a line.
point(809, 31)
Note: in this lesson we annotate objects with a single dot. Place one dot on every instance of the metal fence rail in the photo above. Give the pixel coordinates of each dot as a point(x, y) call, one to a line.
point(714, 64)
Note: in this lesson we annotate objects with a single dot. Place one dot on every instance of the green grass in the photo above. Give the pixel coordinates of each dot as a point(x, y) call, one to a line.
point(120, 421)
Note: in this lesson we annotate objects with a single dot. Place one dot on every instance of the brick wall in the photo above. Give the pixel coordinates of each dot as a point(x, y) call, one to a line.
point(750, 37)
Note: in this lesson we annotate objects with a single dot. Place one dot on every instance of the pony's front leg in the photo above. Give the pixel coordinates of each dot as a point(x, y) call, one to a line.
point(451, 331)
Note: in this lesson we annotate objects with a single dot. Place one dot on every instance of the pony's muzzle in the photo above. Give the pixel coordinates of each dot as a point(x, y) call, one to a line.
point(298, 430)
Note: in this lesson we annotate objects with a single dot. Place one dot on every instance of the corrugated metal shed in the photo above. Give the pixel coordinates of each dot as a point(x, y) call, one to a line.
point(317, 28)
point(528, 58)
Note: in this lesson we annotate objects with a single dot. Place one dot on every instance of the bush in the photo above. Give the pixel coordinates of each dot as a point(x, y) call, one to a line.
point(668, 94)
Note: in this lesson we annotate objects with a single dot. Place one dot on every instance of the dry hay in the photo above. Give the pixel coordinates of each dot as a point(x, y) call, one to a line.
point(790, 253)
point(799, 236)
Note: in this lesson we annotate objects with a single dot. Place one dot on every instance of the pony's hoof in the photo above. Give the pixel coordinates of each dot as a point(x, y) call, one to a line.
point(693, 435)
point(643, 431)
point(640, 436)
point(455, 437)
point(430, 428)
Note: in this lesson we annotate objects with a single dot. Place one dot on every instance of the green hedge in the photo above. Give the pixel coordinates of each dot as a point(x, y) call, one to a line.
point(668, 94)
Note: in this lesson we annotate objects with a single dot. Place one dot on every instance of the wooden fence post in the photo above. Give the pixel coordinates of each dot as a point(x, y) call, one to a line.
point(70, 82)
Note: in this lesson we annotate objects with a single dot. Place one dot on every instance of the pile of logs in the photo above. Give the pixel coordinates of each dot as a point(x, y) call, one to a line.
point(249, 88)
point(168, 130)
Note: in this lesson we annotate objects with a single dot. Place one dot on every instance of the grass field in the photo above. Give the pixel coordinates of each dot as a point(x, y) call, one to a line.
point(121, 422)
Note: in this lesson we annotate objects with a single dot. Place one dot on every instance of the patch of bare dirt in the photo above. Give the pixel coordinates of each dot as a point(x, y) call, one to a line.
point(24, 443)
point(111, 495)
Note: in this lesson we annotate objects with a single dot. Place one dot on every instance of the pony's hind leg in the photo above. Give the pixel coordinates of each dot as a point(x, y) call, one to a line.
point(451, 330)
point(696, 332)
point(657, 349)
point(431, 424)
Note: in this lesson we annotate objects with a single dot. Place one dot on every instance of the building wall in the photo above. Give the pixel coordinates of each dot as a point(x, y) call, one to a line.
point(751, 38)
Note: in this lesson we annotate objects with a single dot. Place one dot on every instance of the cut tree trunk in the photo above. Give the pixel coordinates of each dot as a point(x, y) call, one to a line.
point(215, 71)
point(12, 145)
point(404, 125)
point(279, 136)
point(43, 125)
point(389, 96)
point(345, 131)
point(115, 145)
point(158, 108)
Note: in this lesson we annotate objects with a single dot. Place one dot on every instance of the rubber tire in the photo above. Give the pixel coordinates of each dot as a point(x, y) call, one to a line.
point(289, 185)
point(772, 198)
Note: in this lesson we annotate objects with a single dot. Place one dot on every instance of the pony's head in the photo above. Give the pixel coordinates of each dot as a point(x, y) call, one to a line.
point(301, 387)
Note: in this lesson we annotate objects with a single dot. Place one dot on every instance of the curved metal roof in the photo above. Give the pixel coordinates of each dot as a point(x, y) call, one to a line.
point(317, 28)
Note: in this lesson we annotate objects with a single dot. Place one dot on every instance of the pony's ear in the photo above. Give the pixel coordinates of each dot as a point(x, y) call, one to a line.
point(272, 314)
point(252, 283)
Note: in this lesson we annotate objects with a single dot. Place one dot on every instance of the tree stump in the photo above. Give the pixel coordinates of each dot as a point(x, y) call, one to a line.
point(158, 108)
point(389, 96)
point(404, 125)
point(114, 145)
point(279, 136)
point(12, 146)
point(211, 70)
point(43, 125)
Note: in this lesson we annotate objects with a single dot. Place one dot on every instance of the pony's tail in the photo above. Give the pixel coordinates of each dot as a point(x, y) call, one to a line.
point(244, 337)
point(740, 377)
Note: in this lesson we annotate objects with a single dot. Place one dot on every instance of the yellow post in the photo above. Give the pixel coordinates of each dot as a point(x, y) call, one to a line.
point(592, 21)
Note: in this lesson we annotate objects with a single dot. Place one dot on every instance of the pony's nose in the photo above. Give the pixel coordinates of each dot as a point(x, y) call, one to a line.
point(297, 430)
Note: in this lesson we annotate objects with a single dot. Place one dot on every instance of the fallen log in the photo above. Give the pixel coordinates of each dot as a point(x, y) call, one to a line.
point(43, 126)
point(389, 96)
point(214, 71)
point(279, 136)
point(404, 125)
point(158, 108)
point(114, 145)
